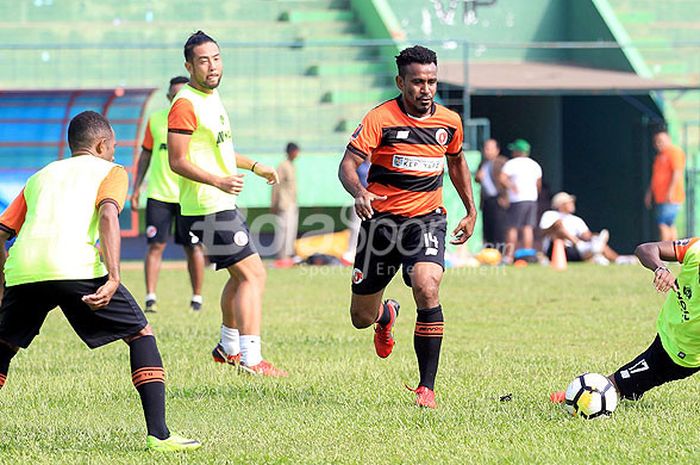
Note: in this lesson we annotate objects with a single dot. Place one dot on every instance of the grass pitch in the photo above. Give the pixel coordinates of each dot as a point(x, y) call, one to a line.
point(512, 331)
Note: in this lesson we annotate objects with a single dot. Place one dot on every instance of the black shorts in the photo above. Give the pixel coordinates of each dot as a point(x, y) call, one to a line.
point(386, 242)
point(223, 234)
point(521, 214)
point(160, 217)
point(25, 306)
point(650, 369)
point(572, 253)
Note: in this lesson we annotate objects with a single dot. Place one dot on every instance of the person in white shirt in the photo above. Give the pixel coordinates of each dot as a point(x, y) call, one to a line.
point(580, 243)
point(522, 178)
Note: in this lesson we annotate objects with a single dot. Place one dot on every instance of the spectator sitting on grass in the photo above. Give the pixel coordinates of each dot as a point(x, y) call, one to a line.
point(580, 244)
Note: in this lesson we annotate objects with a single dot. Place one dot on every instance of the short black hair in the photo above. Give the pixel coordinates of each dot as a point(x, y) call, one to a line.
point(195, 39)
point(86, 128)
point(659, 128)
point(416, 54)
point(179, 80)
point(291, 147)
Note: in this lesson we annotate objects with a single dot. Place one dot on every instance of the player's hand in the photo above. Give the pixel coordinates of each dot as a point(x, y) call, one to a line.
point(102, 296)
point(363, 203)
point(664, 280)
point(230, 184)
point(135, 200)
point(267, 172)
point(464, 230)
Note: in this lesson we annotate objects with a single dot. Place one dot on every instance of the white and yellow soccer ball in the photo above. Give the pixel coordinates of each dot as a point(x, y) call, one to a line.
point(590, 396)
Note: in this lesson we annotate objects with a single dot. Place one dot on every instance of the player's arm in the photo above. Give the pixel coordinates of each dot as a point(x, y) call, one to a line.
point(363, 142)
point(264, 171)
point(143, 164)
point(181, 124)
point(141, 168)
point(676, 179)
point(347, 173)
point(110, 244)
point(652, 256)
point(11, 222)
point(462, 180)
point(109, 202)
point(505, 181)
point(4, 236)
point(678, 165)
point(178, 144)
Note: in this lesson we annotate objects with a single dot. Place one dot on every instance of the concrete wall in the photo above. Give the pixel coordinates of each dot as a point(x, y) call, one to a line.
point(607, 166)
point(514, 21)
point(536, 119)
point(506, 21)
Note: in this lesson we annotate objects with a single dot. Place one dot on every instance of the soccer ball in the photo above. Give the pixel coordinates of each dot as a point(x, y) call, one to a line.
point(590, 396)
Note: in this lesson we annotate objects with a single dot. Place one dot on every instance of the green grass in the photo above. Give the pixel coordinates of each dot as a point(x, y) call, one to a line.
point(520, 331)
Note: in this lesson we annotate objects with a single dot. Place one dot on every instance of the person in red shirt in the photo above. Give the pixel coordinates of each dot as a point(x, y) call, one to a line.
point(666, 188)
point(408, 141)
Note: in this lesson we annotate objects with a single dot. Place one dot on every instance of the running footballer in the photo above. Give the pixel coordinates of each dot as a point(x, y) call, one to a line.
point(408, 140)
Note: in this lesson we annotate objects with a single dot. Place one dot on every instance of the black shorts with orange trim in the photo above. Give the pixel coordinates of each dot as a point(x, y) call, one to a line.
point(388, 242)
point(224, 235)
point(25, 306)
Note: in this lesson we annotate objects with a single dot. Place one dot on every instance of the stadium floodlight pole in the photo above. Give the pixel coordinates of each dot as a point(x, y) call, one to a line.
point(466, 101)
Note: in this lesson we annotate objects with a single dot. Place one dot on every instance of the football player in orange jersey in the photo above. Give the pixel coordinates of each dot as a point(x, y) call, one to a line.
point(407, 140)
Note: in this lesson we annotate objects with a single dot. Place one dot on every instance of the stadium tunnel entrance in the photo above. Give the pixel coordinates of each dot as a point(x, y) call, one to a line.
point(589, 129)
point(34, 126)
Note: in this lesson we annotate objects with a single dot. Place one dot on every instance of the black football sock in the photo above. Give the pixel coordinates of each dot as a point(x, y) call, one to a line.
point(6, 355)
point(427, 339)
point(148, 377)
point(384, 315)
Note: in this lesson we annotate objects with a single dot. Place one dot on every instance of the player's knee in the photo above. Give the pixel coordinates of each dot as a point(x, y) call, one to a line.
point(256, 275)
point(156, 247)
point(145, 331)
point(8, 350)
point(361, 319)
point(427, 288)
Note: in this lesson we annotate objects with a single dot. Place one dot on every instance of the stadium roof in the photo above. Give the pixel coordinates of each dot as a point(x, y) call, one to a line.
point(502, 78)
point(33, 127)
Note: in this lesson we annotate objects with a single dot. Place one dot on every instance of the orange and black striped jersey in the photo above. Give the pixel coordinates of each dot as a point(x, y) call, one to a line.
point(407, 156)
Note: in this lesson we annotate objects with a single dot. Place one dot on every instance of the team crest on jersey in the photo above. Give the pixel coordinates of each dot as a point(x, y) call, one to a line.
point(151, 231)
point(441, 136)
point(357, 132)
point(357, 276)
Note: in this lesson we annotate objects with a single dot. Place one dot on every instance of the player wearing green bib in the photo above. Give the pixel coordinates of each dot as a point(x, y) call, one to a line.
point(58, 217)
point(675, 352)
point(162, 206)
point(200, 148)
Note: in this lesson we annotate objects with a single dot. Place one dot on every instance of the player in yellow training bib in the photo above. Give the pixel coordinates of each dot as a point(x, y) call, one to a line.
point(58, 217)
point(675, 352)
point(200, 149)
point(162, 205)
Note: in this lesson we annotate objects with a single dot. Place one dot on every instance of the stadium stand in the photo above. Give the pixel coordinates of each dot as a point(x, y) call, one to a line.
point(304, 70)
point(141, 45)
point(663, 31)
